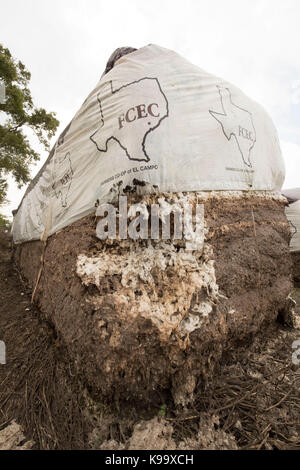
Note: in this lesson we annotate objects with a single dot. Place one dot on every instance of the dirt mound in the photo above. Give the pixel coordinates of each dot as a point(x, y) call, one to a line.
point(157, 434)
point(5, 240)
point(140, 318)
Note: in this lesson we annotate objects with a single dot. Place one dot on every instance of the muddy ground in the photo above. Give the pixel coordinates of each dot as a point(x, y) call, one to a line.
point(252, 402)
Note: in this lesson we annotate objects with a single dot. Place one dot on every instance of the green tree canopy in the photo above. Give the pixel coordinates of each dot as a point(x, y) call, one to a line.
point(17, 113)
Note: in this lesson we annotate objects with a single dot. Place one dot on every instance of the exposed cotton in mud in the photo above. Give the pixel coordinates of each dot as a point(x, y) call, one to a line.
point(170, 310)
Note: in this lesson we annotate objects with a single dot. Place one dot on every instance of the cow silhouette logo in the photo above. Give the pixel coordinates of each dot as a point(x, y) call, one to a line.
point(236, 123)
point(63, 175)
point(145, 107)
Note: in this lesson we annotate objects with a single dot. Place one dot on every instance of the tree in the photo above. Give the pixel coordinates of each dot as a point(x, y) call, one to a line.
point(16, 153)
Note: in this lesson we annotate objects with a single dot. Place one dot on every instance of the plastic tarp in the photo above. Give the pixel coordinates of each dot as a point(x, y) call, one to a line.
point(157, 118)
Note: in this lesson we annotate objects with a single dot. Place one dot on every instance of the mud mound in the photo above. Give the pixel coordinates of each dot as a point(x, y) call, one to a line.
point(256, 393)
point(12, 438)
point(296, 268)
point(140, 318)
point(252, 403)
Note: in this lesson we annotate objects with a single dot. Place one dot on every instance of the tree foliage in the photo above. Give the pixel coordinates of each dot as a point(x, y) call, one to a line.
point(16, 114)
point(4, 222)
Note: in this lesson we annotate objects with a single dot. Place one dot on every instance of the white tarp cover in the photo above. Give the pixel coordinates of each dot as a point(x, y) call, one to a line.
point(154, 117)
point(293, 216)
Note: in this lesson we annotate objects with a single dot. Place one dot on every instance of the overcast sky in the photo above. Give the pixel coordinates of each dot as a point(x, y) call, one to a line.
point(255, 44)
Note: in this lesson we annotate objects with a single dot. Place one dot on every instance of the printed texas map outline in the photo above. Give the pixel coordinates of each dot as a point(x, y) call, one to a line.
point(236, 122)
point(105, 134)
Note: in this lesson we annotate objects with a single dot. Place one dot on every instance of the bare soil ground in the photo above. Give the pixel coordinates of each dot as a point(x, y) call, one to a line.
point(253, 402)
